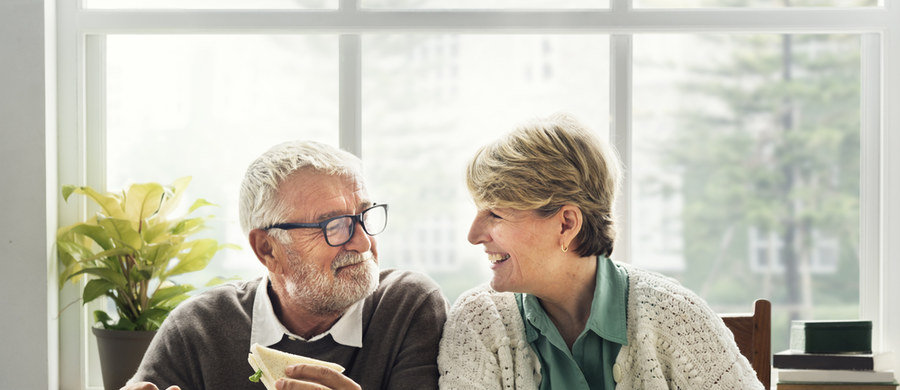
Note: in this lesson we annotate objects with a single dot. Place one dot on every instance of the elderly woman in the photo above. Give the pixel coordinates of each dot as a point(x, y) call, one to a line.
point(559, 314)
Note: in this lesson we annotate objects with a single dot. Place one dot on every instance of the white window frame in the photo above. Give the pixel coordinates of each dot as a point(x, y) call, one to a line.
point(81, 146)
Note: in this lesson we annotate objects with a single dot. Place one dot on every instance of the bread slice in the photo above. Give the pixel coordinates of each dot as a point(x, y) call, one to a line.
point(273, 362)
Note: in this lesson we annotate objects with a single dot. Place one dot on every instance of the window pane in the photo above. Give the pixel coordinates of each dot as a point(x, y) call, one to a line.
point(746, 170)
point(754, 3)
point(206, 106)
point(211, 4)
point(429, 101)
point(485, 4)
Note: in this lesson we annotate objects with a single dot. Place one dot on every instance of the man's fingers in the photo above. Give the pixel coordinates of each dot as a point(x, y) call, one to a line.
point(146, 386)
point(140, 386)
point(310, 371)
point(316, 374)
point(294, 384)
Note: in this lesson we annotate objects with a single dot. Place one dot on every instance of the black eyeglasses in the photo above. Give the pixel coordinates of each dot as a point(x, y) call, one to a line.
point(338, 230)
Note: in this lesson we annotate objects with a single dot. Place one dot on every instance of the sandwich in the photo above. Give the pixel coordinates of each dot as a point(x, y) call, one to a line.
point(270, 364)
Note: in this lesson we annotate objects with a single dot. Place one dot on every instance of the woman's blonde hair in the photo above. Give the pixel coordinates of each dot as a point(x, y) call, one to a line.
point(548, 163)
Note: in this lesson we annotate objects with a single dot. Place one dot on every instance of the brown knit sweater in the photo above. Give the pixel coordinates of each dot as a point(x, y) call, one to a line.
point(204, 343)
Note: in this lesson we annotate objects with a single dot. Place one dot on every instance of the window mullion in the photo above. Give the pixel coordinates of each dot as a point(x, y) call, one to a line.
point(95, 103)
point(620, 5)
point(350, 91)
point(348, 5)
point(870, 224)
point(890, 184)
point(620, 92)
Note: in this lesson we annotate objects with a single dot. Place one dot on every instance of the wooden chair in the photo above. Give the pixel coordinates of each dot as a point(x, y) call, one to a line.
point(753, 334)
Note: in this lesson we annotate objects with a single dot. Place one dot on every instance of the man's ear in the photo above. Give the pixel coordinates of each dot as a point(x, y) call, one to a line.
point(261, 242)
point(571, 220)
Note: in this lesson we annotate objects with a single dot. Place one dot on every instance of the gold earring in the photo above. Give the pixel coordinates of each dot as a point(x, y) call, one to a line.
point(565, 248)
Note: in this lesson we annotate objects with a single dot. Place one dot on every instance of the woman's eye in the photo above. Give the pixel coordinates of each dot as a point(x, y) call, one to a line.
point(493, 215)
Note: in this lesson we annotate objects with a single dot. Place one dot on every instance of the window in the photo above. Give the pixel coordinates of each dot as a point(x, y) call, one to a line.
point(484, 4)
point(210, 4)
point(753, 3)
point(761, 135)
point(768, 254)
point(749, 130)
point(207, 105)
point(458, 92)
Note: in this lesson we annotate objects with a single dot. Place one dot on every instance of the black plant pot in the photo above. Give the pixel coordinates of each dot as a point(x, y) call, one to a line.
point(121, 352)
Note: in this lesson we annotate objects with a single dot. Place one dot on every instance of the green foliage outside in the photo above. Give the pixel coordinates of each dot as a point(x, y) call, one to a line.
point(772, 146)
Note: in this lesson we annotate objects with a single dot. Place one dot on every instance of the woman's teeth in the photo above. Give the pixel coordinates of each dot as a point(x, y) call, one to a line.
point(496, 258)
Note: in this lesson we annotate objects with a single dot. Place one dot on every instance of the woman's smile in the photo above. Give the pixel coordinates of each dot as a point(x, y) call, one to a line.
point(497, 258)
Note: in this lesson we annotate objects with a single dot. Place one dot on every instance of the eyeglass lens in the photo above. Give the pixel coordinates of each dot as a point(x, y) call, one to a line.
point(340, 230)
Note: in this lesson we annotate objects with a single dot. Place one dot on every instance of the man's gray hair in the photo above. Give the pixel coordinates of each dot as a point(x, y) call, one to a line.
point(260, 206)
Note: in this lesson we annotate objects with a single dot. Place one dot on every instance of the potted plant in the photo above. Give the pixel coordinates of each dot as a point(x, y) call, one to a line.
point(131, 249)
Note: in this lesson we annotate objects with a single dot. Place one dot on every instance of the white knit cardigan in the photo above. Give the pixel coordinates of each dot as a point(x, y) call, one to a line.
point(675, 341)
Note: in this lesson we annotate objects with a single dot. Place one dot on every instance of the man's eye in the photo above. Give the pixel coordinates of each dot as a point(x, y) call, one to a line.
point(494, 215)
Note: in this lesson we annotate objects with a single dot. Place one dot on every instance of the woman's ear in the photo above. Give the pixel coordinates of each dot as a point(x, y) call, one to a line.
point(570, 218)
point(260, 241)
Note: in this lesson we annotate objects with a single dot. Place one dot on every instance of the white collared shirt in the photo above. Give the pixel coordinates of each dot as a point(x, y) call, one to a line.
point(267, 330)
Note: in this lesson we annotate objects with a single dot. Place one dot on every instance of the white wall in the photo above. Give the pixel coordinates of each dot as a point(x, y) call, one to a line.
point(27, 195)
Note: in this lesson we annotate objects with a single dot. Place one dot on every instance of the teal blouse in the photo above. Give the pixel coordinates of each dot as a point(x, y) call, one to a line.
point(589, 365)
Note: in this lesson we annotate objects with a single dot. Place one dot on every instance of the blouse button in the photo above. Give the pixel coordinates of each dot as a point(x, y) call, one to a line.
point(617, 373)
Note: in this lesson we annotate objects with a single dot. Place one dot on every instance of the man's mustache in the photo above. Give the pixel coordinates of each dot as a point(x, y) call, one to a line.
point(351, 258)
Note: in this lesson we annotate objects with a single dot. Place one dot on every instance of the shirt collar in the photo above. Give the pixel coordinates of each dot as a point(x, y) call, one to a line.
point(607, 318)
point(266, 329)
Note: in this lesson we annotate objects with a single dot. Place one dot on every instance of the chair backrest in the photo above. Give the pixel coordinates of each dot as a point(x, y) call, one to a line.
point(753, 335)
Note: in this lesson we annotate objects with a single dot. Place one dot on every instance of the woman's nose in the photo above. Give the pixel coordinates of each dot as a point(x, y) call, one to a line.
point(476, 231)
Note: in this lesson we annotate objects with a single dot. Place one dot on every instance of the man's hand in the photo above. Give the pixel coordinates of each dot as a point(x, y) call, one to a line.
point(146, 386)
point(309, 376)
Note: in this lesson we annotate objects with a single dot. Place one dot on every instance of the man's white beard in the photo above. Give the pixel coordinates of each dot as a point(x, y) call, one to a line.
point(308, 287)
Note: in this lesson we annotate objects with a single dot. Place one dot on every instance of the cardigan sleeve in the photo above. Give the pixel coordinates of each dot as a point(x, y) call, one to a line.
point(677, 341)
point(483, 345)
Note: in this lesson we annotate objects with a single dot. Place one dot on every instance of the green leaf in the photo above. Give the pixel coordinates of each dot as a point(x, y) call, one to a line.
point(220, 280)
point(198, 204)
point(140, 273)
point(189, 226)
point(151, 319)
point(256, 377)
point(143, 201)
point(107, 274)
point(96, 288)
point(122, 232)
point(74, 250)
point(70, 266)
point(198, 258)
point(175, 191)
point(103, 318)
point(124, 323)
point(161, 295)
point(158, 255)
point(67, 191)
point(156, 231)
point(96, 233)
point(110, 254)
point(110, 203)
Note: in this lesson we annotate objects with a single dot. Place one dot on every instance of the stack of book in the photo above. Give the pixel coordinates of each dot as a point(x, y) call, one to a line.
point(833, 355)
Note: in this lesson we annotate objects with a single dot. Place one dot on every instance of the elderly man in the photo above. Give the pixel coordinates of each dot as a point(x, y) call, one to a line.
point(310, 221)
